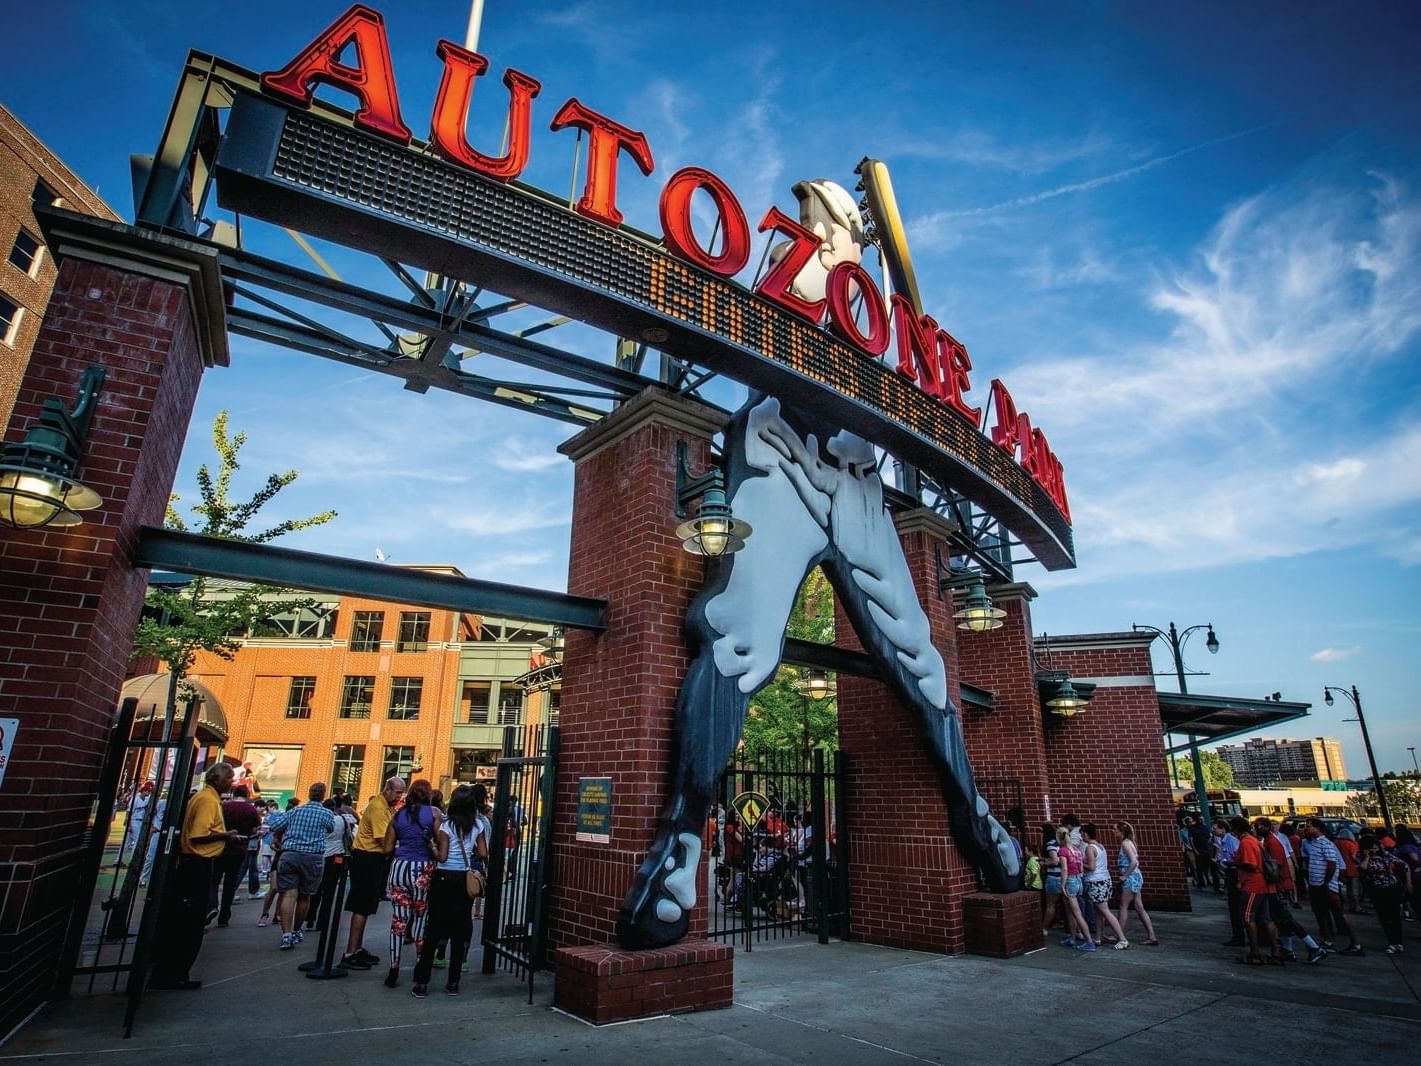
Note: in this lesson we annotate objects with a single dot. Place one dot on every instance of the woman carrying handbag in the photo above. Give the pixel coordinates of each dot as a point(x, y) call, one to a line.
point(461, 847)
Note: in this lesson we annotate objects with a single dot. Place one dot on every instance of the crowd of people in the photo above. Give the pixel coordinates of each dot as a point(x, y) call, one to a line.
point(1071, 870)
point(408, 846)
point(1267, 871)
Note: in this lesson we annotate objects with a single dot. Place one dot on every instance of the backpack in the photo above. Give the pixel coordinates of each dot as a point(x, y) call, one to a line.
point(1269, 867)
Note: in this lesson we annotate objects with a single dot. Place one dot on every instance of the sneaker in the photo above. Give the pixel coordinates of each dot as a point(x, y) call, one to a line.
point(439, 963)
point(256, 895)
point(263, 921)
point(451, 990)
point(1353, 949)
point(354, 962)
point(419, 991)
point(1121, 945)
point(1327, 946)
point(1315, 956)
point(300, 937)
point(368, 958)
point(1068, 941)
point(1086, 946)
point(211, 916)
point(288, 941)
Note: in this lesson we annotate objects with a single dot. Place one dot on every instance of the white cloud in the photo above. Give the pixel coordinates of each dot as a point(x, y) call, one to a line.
point(524, 456)
point(1333, 655)
point(523, 517)
point(980, 148)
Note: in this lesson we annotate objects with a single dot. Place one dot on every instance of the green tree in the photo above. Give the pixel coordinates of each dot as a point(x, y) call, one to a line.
point(781, 718)
point(180, 622)
point(1217, 773)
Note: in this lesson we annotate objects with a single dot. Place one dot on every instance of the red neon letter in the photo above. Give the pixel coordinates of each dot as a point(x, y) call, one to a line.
point(774, 286)
point(373, 80)
point(841, 281)
point(606, 139)
point(953, 365)
point(450, 120)
point(917, 345)
point(1012, 430)
point(676, 222)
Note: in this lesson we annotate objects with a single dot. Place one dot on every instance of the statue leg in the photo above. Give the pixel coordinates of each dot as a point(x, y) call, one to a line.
point(735, 632)
point(871, 577)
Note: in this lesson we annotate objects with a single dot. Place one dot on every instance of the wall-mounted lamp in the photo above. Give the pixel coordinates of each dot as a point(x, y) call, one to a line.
point(816, 685)
point(1058, 694)
point(552, 644)
point(1067, 701)
point(978, 614)
point(37, 484)
point(715, 531)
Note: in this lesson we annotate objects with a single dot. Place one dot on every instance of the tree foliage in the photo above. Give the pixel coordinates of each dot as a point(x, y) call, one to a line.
point(1217, 773)
point(178, 622)
point(780, 716)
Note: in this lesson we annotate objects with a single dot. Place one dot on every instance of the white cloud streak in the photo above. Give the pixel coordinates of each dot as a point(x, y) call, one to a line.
point(1333, 655)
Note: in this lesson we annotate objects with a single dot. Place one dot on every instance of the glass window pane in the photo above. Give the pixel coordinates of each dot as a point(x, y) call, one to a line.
point(357, 696)
point(9, 320)
point(474, 702)
point(405, 695)
point(510, 705)
point(398, 760)
point(300, 697)
point(25, 253)
point(347, 769)
point(414, 631)
point(369, 627)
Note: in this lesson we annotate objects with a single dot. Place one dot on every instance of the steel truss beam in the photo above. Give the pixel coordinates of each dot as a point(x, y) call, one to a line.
point(264, 564)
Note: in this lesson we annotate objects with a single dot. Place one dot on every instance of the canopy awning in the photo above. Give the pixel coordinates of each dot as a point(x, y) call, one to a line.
point(1214, 718)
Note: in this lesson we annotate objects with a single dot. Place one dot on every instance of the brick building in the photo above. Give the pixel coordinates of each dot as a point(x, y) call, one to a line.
point(30, 174)
point(351, 690)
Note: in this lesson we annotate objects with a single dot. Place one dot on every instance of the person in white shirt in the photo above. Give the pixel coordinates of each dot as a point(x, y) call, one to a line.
point(461, 844)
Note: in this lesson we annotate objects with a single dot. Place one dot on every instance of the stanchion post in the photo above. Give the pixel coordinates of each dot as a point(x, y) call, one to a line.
point(321, 969)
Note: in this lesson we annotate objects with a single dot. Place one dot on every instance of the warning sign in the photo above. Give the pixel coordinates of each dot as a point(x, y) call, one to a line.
point(751, 806)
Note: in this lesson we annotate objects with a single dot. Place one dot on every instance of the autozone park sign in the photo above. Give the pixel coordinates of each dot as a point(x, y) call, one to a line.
point(882, 370)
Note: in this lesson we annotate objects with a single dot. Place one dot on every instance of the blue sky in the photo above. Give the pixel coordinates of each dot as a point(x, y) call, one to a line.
point(1188, 237)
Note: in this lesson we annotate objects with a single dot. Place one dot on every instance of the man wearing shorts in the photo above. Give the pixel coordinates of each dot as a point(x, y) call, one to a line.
point(1255, 893)
point(299, 870)
point(367, 871)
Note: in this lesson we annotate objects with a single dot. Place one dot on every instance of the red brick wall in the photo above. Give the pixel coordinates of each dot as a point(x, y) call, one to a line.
point(619, 689)
point(69, 600)
point(1106, 764)
point(906, 877)
point(1008, 742)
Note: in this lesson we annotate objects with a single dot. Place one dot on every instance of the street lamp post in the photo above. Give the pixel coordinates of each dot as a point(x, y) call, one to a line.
point(1356, 698)
point(1176, 640)
point(1414, 764)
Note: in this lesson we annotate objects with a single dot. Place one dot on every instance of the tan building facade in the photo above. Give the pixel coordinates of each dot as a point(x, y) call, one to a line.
point(1266, 760)
point(30, 174)
point(352, 690)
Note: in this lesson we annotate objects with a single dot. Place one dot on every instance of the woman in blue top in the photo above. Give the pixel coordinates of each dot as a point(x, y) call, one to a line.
point(460, 845)
point(1132, 882)
point(410, 839)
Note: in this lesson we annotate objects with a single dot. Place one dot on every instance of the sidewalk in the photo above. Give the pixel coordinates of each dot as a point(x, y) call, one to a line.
point(795, 1001)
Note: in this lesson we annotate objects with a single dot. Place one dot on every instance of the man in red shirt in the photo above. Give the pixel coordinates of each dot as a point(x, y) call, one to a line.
point(1283, 894)
point(1255, 894)
point(1351, 887)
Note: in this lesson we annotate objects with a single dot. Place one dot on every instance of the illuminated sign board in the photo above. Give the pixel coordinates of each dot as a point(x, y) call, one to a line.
point(460, 213)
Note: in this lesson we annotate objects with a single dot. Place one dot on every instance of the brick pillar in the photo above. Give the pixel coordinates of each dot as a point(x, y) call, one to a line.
point(1007, 744)
point(1107, 763)
point(619, 689)
point(906, 876)
point(140, 306)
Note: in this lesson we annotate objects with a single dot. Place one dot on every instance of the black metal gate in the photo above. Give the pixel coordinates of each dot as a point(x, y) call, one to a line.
point(515, 931)
point(101, 942)
point(788, 875)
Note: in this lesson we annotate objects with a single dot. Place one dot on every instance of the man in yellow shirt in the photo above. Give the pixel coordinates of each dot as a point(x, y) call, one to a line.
point(183, 917)
point(367, 871)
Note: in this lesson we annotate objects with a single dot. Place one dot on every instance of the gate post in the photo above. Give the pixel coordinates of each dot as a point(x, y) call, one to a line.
point(906, 878)
point(147, 308)
point(618, 705)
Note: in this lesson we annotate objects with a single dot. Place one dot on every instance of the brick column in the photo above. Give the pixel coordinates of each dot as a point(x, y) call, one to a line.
point(619, 689)
point(906, 876)
point(1007, 743)
point(148, 309)
point(1107, 763)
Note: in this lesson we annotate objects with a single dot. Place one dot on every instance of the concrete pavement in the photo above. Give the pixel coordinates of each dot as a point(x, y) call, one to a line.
point(795, 1001)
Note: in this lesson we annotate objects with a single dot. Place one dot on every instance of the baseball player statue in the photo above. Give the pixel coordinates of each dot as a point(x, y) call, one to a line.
point(813, 496)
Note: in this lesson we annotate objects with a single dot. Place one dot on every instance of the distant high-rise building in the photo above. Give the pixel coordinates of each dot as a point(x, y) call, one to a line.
point(1266, 761)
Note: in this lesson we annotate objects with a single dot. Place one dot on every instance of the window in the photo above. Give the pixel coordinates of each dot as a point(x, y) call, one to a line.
point(476, 698)
point(306, 623)
point(366, 632)
point(510, 705)
point(25, 253)
point(357, 696)
point(348, 768)
point(9, 320)
point(554, 704)
point(300, 696)
point(398, 761)
point(405, 693)
point(414, 631)
point(43, 195)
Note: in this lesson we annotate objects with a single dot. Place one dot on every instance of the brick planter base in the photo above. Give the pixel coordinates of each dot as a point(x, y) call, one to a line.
point(1002, 925)
point(605, 984)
